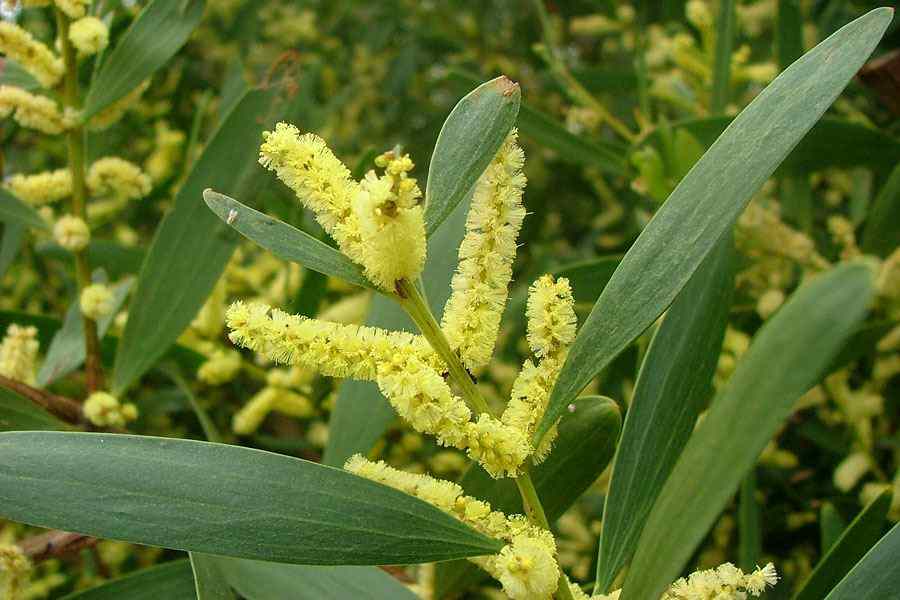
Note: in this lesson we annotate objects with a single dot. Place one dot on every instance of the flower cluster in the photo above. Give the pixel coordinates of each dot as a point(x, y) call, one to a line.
point(525, 566)
point(725, 582)
point(104, 410)
point(18, 353)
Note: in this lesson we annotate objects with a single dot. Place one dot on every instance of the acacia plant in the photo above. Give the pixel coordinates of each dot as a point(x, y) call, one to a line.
point(267, 524)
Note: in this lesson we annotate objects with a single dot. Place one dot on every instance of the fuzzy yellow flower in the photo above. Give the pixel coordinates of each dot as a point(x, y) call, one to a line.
point(471, 318)
point(42, 188)
point(32, 111)
point(96, 301)
point(36, 58)
point(18, 353)
point(15, 569)
point(71, 233)
point(391, 225)
point(270, 398)
point(526, 565)
point(89, 35)
point(118, 178)
point(74, 9)
point(221, 367)
point(104, 410)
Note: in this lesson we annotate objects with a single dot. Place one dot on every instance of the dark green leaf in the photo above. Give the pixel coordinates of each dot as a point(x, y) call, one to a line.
point(13, 236)
point(468, 141)
point(20, 414)
point(722, 59)
point(709, 199)
point(171, 581)
point(881, 234)
point(209, 578)
point(283, 240)
point(158, 32)
point(789, 32)
point(586, 442)
point(66, 352)
point(672, 388)
point(272, 581)
point(786, 358)
point(191, 246)
point(876, 576)
point(851, 546)
point(220, 499)
point(14, 211)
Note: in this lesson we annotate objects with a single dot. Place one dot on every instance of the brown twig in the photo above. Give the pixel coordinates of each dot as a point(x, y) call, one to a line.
point(65, 408)
point(54, 544)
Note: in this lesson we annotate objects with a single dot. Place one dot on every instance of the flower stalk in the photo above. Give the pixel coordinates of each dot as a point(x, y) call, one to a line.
point(76, 147)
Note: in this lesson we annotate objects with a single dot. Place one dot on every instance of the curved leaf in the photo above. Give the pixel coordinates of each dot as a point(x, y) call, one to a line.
point(589, 277)
point(709, 199)
point(876, 576)
point(881, 234)
point(158, 32)
point(172, 581)
point(220, 499)
point(850, 547)
point(786, 358)
point(283, 240)
point(209, 578)
point(20, 414)
point(672, 388)
point(468, 141)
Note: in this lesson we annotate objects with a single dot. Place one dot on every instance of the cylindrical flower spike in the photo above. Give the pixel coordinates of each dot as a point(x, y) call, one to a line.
point(391, 224)
point(89, 35)
point(333, 349)
point(35, 112)
point(471, 318)
point(74, 9)
point(525, 566)
point(96, 301)
point(321, 182)
point(18, 353)
point(42, 188)
point(115, 177)
point(104, 410)
point(32, 55)
point(72, 233)
point(551, 329)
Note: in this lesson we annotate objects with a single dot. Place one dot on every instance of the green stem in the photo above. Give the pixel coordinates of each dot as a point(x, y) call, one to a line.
point(414, 304)
point(416, 307)
point(722, 66)
point(75, 139)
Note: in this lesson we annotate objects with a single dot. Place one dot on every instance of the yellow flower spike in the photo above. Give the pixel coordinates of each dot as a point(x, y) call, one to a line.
point(392, 229)
point(15, 569)
point(422, 397)
point(551, 316)
point(471, 318)
point(89, 35)
point(247, 420)
point(31, 111)
point(725, 581)
point(321, 182)
point(96, 301)
point(71, 233)
point(18, 353)
point(117, 178)
point(42, 188)
point(166, 152)
point(74, 9)
point(220, 368)
point(36, 58)
point(104, 410)
point(330, 348)
point(499, 448)
point(525, 566)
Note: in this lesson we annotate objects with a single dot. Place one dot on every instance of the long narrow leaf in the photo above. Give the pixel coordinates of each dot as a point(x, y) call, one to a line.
point(673, 385)
point(876, 576)
point(154, 37)
point(851, 546)
point(283, 240)
point(709, 199)
point(20, 414)
point(468, 141)
point(172, 581)
point(221, 499)
point(786, 358)
point(14, 211)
